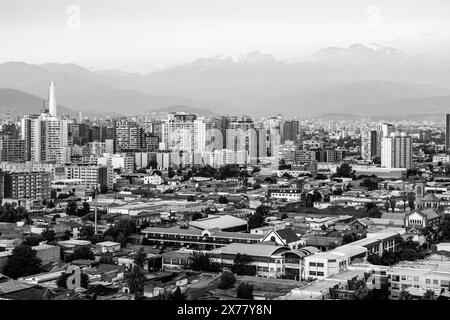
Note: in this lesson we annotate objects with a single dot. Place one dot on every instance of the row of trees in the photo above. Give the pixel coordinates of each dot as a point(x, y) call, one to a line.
point(228, 280)
point(12, 213)
point(408, 250)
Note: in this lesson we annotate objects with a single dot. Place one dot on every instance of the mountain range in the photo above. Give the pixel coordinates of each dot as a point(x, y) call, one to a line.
point(361, 79)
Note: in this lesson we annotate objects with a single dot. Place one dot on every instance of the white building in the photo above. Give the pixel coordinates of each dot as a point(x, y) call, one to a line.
point(396, 152)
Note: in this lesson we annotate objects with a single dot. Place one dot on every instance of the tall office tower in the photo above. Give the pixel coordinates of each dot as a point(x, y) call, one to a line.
point(375, 147)
point(25, 133)
point(447, 132)
point(290, 131)
point(236, 139)
point(151, 142)
point(386, 129)
point(214, 137)
point(129, 136)
point(222, 125)
point(48, 139)
point(369, 145)
point(57, 140)
point(274, 143)
point(37, 140)
point(12, 150)
point(182, 133)
point(366, 146)
point(252, 145)
point(396, 152)
point(52, 100)
point(262, 142)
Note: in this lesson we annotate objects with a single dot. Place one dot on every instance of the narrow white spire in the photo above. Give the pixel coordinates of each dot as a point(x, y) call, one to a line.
point(52, 100)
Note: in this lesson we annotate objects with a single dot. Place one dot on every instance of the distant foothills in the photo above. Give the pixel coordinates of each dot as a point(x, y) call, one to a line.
point(347, 83)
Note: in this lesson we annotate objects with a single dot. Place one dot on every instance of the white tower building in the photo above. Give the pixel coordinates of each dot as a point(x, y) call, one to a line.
point(52, 100)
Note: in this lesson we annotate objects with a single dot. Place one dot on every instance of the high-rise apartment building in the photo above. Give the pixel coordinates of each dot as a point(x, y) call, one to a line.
point(447, 132)
point(396, 152)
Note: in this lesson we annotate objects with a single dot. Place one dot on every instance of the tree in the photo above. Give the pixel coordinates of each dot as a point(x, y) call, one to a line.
point(12, 213)
point(81, 252)
point(386, 205)
point(392, 202)
point(87, 232)
point(136, 280)
point(227, 280)
point(404, 199)
point(170, 173)
point(344, 171)
point(106, 258)
point(256, 220)
point(23, 262)
point(61, 282)
point(411, 200)
point(429, 295)
point(86, 207)
point(140, 258)
point(245, 291)
point(263, 210)
point(359, 288)
point(72, 208)
point(50, 204)
point(348, 238)
point(256, 170)
point(317, 196)
point(48, 235)
point(177, 295)
point(200, 261)
point(33, 240)
point(242, 265)
point(374, 258)
point(405, 295)
point(228, 171)
point(103, 189)
point(223, 200)
point(369, 183)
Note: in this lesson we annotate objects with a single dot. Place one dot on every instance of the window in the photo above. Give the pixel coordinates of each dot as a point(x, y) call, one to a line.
point(445, 283)
point(312, 273)
point(409, 278)
point(416, 279)
point(395, 278)
point(435, 281)
point(312, 264)
point(427, 281)
point(403, 278)
point(319, 264)
point(320, 273)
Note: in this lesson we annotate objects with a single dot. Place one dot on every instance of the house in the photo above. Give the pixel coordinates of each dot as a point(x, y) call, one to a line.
point(428, 201)
point(226, 223)
point(420, 219)
point(154, 179)
point(108, 246)
point(270, 260)
point(48, 253)
point(284, 237)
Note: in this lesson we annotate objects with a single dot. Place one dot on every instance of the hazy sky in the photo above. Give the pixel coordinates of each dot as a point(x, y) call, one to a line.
point(137, 35)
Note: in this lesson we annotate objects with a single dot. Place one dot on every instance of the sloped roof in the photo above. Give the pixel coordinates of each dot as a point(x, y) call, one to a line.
point(216, 221)
point(258, 250)
point(288, 235)
point(430, 213)
point(430, 197)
